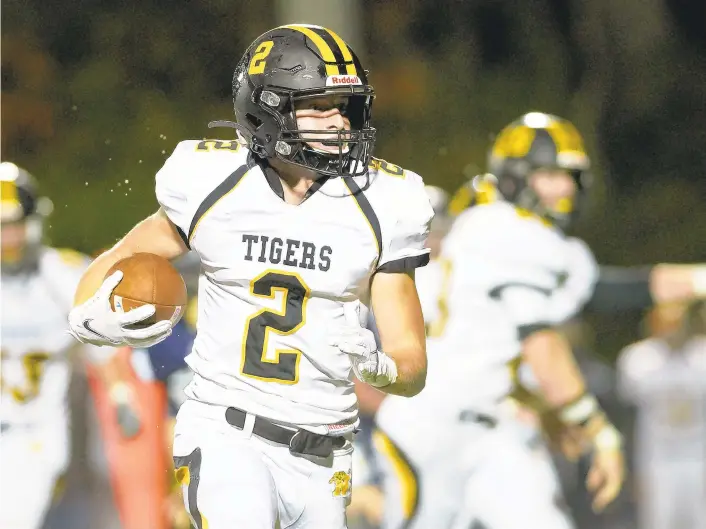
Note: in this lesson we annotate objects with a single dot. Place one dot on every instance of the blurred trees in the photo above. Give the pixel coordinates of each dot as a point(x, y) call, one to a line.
point(96, 93)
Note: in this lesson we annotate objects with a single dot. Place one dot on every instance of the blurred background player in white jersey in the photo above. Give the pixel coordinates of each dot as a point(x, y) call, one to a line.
point(514, 275)
point(37, 289)
point(664, 378)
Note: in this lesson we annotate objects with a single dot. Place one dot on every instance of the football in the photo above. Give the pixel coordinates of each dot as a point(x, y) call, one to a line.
point(153, 280)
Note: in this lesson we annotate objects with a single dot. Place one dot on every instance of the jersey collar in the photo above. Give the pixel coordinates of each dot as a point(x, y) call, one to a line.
point(275, 182)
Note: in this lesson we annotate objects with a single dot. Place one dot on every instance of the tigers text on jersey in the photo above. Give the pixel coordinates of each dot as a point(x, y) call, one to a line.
point(276, 275)
point(35, 371)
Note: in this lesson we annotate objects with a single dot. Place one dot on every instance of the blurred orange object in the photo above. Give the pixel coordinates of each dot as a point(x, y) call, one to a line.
point(137, 465)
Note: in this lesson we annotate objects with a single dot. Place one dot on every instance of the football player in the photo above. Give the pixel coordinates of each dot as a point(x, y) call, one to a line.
point(38, 283)
point(512, 273)
point(299, 230)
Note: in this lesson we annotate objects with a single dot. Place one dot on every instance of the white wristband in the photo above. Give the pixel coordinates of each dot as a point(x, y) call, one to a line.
point(580, 410)
point(608, 438)
point(698, 279)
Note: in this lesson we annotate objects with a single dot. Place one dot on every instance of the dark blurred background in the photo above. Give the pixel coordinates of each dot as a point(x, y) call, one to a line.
point(96, 94)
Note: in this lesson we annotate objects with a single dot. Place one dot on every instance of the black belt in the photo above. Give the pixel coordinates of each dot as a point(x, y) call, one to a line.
point(481, 418)
point(299, 441)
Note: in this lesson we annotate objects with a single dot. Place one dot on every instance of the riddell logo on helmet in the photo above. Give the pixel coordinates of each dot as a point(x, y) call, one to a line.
point(337, 80)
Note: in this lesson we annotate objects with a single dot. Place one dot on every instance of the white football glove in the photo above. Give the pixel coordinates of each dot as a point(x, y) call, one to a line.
point(94, 322)
point(369, 364)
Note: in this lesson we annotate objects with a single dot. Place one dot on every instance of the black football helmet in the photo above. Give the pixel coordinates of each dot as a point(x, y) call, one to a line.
point(540, 141)
point(280, 70)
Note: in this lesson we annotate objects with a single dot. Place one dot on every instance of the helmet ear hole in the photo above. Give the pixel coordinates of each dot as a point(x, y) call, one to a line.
point(253, 120)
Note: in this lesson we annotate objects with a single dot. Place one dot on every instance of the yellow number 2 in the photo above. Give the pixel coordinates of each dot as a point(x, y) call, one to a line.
point(257, 64)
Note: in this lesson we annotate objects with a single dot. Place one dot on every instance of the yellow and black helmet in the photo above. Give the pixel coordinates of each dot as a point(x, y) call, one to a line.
point(18, 193)
point(539, 141)
point(292, 63)
point(21, 204)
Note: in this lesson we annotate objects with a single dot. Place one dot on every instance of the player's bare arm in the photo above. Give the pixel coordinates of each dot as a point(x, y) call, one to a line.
point(398, 316)
point(549, 356)
point(155, 234)
point(677, 282)
point(552, 362)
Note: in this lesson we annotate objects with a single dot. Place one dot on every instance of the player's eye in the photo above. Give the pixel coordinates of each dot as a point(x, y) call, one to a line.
point(343, 106)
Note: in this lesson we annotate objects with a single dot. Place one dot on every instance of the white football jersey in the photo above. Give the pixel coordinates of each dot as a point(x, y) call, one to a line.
point(503, 273)
point(276, 276)
point(34, 341)
point(669, 390)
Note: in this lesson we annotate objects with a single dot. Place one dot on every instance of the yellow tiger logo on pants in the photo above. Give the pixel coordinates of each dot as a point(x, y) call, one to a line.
point(342, 483)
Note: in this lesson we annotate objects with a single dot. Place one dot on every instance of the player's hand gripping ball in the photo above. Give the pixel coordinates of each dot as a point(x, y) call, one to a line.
point(149, 279)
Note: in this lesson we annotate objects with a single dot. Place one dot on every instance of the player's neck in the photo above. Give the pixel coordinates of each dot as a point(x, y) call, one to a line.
point(296, 180)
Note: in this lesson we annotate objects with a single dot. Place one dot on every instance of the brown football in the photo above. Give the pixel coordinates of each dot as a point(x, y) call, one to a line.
point(149, 279)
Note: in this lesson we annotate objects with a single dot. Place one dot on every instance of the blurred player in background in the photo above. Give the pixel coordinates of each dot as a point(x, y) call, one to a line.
point(37, 288)
point(512, 273)
point(664, 377)
point(298, 230)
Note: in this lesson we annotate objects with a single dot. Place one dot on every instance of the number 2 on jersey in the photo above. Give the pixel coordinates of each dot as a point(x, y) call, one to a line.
point(284, 368)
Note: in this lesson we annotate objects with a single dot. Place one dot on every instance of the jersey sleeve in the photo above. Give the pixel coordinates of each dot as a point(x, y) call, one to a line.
point(187, 177)
point(528, 307)
point(577, 287)
point(534, 295)
point(172, 189)
point(409, 217)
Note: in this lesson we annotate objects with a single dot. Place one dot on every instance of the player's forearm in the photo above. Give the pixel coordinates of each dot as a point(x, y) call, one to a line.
point(155, 235)
point(549, 356)
point(677, 282)
point(411, 371)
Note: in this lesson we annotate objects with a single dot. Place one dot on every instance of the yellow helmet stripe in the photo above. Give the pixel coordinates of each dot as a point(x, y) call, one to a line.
point(566, 137)
point(324, 49)
point(515, 141)
point(347, 55)
point(8, 191)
